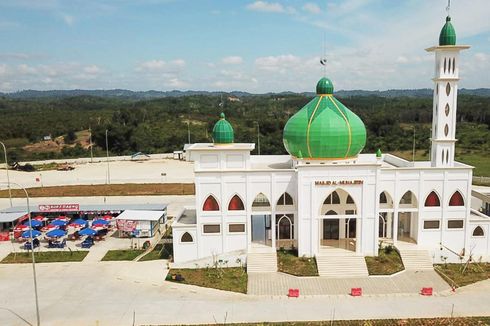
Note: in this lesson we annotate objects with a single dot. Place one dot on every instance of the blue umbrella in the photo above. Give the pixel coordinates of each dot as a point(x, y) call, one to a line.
point(80, 222)
point(59, 223)
point(34, 223)
point(101, 222)
point(26, 234)
point(56, 233)
point(87, 231)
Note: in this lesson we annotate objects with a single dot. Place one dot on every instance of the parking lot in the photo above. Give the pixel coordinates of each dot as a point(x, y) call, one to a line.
point(127, 171)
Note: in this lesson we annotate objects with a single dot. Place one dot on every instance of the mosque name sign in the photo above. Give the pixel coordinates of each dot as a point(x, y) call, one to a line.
point(339, 182)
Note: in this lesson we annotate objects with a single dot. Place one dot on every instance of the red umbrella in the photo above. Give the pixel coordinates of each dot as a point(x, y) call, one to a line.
point(21, 227)
point(62, 217)
point(49, 227)
point(39, 218)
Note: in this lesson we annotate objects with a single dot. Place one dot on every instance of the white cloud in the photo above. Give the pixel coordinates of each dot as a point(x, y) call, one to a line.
point(160, 66)
point(68, 19)
point(232, 60)
point(265, 6)
point(279, 63)
point(92, 69)
point(312, 8)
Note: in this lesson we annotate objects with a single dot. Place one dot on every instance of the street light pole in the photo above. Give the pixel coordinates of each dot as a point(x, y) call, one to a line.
point(32, 249)
point(107, 154)
point(258, 136)
point(188, 133)
point(7, 168)
point(91, 146)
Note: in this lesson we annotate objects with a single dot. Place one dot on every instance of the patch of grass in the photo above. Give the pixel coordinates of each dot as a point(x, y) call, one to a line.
point(473, 273)
point(44, 257)
point(289, 262)
point(387, 262)
point(129, 189)
point(160, 251)
point(456, 321)
point(229, 279)
point(124, 254)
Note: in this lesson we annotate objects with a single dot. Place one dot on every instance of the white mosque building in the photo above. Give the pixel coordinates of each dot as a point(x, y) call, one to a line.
point(326, 198)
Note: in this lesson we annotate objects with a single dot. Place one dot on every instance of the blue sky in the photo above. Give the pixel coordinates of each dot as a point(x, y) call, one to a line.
point(256, 46)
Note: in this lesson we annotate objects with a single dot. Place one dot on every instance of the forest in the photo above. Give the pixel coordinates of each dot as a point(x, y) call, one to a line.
point(161, 125)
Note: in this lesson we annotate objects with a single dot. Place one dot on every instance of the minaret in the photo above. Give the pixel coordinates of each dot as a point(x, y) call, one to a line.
point(445, 96)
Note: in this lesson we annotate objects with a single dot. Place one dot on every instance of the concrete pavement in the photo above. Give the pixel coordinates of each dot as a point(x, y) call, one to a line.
point(107, 293)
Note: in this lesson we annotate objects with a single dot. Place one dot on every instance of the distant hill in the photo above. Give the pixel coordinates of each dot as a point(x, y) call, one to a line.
point(138, 95)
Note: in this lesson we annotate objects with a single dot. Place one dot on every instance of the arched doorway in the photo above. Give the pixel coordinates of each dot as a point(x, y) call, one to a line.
point(338, 232)
point(407, 229)
point(385, 217)
point(261, 221)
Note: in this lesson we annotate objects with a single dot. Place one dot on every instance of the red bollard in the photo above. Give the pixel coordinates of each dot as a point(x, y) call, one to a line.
point(293, 293)
point(426, 291)
point(356, 292)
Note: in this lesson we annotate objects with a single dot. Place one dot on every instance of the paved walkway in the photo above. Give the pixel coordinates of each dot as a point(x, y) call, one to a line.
point(407, 282)
point(108, 293)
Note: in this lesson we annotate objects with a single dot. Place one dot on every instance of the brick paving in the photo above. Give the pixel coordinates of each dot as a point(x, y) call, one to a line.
point(406, 282)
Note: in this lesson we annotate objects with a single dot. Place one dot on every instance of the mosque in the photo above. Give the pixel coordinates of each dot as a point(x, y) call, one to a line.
point(326, 198)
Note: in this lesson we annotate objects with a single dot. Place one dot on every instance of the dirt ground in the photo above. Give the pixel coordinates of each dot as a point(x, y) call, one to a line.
point(129, 189)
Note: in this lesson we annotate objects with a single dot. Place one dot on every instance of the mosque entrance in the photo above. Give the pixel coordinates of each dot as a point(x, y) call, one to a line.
point(338, 231)
point(407, 227)
point(261, 230)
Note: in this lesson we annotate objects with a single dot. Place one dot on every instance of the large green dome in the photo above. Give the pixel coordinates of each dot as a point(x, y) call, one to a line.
point(324, 128)
point(223, 131)
point(448, 34)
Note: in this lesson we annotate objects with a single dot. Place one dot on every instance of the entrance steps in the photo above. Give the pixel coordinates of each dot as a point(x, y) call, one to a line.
point(262, 262)
point(415, 259)
point(340, 264)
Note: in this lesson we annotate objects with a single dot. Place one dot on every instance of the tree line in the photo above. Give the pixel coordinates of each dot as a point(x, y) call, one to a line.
point(161, 125)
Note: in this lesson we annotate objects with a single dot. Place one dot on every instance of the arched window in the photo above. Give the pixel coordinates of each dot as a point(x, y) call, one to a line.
point(285, 199)
point(333, 198)
point(432, 200)
point(382, 198)
point(349, 200)
point(408, 199)
point(261, 201)
point(456, 199)
point(331, 212)
point(186, 237)
point(236, 204)
point(285, 228)
point(210, 204)
point(478, 232)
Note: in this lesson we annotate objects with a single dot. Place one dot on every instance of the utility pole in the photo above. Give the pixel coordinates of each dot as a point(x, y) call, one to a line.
point(7, 168)
point(188, 133)
point(107, 155)
point(258, 136)
point(91, 146)
point(413, 150)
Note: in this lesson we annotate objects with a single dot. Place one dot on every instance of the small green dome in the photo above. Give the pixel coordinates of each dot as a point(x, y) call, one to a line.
point(223, 131)
point(324, 86)
point(448, 34)
point(324, 128)
point(378, 153)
